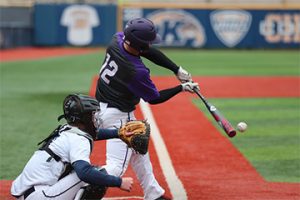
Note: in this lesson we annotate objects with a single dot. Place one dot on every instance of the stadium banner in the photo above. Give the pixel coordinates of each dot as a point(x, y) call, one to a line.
point(222, 28)
point(74, 24)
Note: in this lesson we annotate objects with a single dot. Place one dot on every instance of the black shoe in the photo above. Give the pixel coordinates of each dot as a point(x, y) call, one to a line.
point(163, 197)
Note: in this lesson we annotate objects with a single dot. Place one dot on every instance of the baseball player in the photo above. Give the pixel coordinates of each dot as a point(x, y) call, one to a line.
point(61, 168)
point(123, 81)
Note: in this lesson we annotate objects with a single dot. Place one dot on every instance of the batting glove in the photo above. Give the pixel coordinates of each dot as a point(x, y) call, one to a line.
point(190, 86)
point(183, 76)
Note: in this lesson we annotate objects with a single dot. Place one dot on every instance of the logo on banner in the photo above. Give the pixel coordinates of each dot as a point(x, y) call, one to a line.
point(80, 19)
point(230, 26)
point(178, 28)
point(281, 28)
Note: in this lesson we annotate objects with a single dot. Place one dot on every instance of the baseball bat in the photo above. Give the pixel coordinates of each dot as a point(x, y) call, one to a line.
point(220, 119)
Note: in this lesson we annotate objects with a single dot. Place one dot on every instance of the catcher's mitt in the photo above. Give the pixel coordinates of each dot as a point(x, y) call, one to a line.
point(139, 140)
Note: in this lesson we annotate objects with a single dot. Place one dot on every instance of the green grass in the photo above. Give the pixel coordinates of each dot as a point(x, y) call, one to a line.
point(32, 92)
point(235, 62)
point(31, 99)
point(272, 140)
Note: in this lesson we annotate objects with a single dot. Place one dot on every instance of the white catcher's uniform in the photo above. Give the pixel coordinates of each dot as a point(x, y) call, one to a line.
point(118, 155)
point(42, 171)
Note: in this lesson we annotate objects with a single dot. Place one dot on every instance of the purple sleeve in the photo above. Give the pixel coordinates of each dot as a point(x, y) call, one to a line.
point(142, 86)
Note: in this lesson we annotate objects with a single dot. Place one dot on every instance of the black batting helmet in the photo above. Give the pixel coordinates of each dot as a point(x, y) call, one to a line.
point(79, 108)
point(141, 32)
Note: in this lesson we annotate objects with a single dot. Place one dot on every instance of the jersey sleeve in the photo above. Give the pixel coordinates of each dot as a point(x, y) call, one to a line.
point(79, 149)
point(142, 86)
point(159, 58)
point(105, 134)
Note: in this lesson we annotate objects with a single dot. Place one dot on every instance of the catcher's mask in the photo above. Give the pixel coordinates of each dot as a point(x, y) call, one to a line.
point(79, 108)
point(140, 33)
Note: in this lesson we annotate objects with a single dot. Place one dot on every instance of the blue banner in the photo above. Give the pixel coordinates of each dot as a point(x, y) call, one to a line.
point(199, 28)
point(74, 24)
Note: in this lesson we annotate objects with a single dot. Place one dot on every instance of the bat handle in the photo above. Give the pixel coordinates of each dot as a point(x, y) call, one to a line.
point(198, 94)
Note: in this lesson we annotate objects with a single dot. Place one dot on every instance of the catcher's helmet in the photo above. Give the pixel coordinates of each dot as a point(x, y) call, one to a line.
point(79, 108)
point(140, 32)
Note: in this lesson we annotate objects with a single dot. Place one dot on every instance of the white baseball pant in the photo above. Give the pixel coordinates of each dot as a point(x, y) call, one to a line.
point(64, 189)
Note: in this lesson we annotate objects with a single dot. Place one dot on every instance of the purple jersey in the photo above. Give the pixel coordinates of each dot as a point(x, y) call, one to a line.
point(123, 78)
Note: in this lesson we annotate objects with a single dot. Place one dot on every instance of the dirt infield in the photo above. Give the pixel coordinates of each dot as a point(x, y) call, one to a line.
point(37, 53)
point(210, 167)
point(236, 87)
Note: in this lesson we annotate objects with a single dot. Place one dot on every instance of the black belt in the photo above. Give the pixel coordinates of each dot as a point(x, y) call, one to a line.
point(28, 192)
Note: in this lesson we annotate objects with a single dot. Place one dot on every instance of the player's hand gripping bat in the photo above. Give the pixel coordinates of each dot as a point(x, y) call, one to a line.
point(222, 121)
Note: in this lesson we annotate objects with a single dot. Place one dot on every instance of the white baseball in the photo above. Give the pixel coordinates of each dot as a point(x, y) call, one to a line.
point(242, 126)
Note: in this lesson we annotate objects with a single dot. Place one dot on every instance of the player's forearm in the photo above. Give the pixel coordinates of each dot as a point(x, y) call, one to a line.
point(89, 174)
point(104, 134)
point(166, 94)
point(160, 59)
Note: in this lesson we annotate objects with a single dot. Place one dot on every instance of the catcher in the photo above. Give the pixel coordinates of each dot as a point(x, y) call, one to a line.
point(61, 167)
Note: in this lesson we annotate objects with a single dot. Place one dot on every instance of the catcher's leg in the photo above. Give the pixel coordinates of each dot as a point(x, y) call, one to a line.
point(64, 189)
point(142, 167)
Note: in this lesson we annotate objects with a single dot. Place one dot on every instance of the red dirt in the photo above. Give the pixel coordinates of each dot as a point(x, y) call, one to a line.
point(219, 171)
point(209, 166)
point(235, 86)
point(38, 53)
